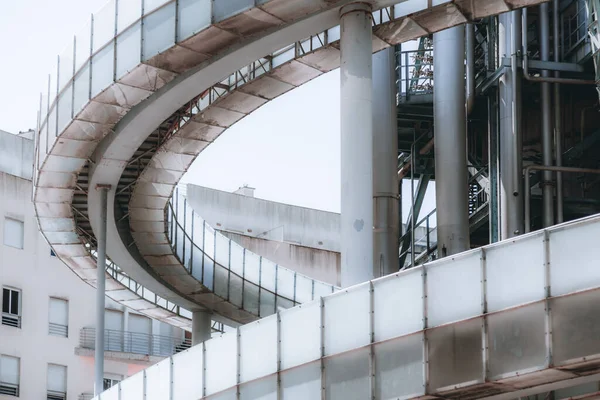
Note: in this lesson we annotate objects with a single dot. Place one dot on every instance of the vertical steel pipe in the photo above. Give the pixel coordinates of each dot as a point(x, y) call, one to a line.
point(100, 292)
point(470, 43)
point(385, 165)
point(547, 139)
point(557, 116)
point(510, 179)
point(201, 326)
point(356, 123)
point(450, 141)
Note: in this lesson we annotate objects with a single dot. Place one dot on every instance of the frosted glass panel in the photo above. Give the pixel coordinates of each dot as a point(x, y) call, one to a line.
point(111, 394)
point(574, 270)
point(454, 289)
point(66, 63)
point(150, 5)
point(65, 105)
point(252, 267)
point(300, 335)
point(226, 395)
point(82, 89)
point(102, 69)
point(304, 289)
point(209, 241)
point(301, 383)
point(132, 388)
point(455, 354)
point(347, 317)
point(158, 378)
point(267, 303)
point(262, 389)
point(399, 368)
point(409, 7)
point(517, 340)
point(208, 272)
point(223, 9)
point(129, 12)
point(258, 349)
point(576, 326)
point(347, 376)
point(158, 31)
point(187, 382)
point(251, 298)
point(235, 289)
point(129, 49)
point(104, 25)
point(193, 16)
point(521, 258)
point(221, 362)
point(222, 250)
point(285, 283)
point(321, 289)
point(237, 259)
point(267, 275)
point(83, 45)
point(221, 281)
point(391, 320)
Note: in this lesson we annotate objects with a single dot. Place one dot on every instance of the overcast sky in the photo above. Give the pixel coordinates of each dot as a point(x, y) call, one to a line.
point(289, 149)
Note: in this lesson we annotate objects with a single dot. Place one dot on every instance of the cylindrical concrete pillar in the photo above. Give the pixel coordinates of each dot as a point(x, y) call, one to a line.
point(385, 165)
point(356, 121)
point(201, 326)
point(450, 141)
point(100, 293)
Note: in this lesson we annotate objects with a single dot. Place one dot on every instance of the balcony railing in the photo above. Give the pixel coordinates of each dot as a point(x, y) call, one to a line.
point(9, 389)
point(133, 342)
point(58, 329)
point(11, 320)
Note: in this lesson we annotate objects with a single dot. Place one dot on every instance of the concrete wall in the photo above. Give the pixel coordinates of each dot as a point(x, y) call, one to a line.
point(39, 276)
point(264, 219)
point(17, 155)
point(322, 265)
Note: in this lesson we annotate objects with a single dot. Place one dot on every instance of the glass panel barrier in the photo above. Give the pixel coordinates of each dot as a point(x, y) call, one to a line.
point(102, 69)
point(129, 49)
point(193, 16)
point(347, 376)
point(302, 383)
point(133, 387)
point(454, 288)
point(128, 12)
point(300, 334)
point(267, 275)
point(523, 258)
point(346, 330)
point(158, 31)
point(221, 362)
point(258, 349)
point(104, 25)
point(261, 389)
point(83, 45)
point(159, 377)
point(285, 283)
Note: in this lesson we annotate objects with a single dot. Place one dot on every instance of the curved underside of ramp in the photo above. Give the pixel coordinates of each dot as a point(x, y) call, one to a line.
point(143, 65)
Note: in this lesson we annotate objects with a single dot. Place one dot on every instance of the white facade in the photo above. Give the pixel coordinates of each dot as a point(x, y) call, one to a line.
point(50, 293)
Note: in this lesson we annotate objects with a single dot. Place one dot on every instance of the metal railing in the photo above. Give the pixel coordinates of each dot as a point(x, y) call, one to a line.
point(415, 73)
point(574, 23)
point(58, 329)
point(134, 342)
point(425, 242)
point(11, 320)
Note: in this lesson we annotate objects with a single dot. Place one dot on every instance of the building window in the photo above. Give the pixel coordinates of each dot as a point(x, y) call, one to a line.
point(14, 231)
point(9, 376)
point(58, 317)
point(110, 382)
point(11, 307)
point(57, 382)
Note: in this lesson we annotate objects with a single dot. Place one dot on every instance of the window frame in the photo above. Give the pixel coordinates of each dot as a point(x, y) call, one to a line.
point(10, 315)
point(55, 329)
point(17, 387)
point(20, 221)
point(53, 394)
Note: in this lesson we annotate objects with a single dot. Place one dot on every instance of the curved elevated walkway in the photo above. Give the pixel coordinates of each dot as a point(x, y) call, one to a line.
point(137, 69)
point(460, 327)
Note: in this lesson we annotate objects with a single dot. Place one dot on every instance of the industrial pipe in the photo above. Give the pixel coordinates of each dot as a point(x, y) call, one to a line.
point(557, 119)
point(566, 81)
point(470, 43)
point(545, 168)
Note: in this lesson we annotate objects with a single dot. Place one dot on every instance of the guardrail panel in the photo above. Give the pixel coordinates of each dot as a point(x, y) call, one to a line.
point(160, 376)
point(221, 359)
point(300, 329)
point(132, 388)
point(347, 376)
point(188, 370)
point(569, 248)
point(522, 258)
point(302, 383)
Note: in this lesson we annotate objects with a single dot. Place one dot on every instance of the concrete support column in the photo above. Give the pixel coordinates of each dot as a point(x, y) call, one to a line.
point(356, 120)
point(201, 326)
point(511, 197)
point(450, 141)
point(100, 292)
point(385, 165)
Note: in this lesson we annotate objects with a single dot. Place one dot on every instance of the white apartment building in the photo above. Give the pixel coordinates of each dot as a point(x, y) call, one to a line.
point(47, 328)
